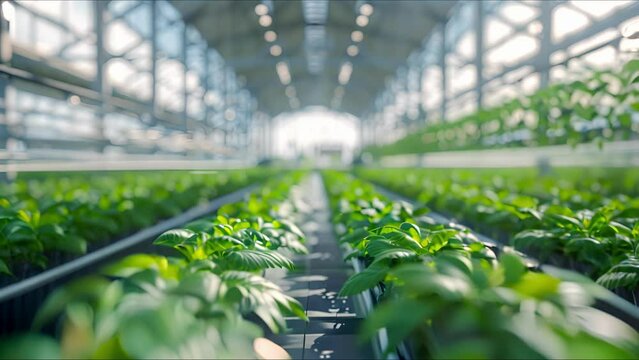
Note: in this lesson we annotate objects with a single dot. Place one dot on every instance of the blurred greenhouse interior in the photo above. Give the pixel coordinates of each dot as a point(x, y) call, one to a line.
point(331, 179)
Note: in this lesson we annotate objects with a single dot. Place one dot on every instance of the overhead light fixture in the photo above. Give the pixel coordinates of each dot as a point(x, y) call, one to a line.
point(74, 100)
point(276, 50)
point(270, 36)
point(261, 9)
point(8, 11)
point(366, 9)
point(357, 36)
point(345, 72)
point(265, 20)
point(339, 91)
point(283, 72)
point(361, 20)
point(294, 102)
point(352, 50)
point(290, 91)
point(229, 114)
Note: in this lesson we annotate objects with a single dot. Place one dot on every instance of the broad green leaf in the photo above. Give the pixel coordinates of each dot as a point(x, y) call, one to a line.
point(173, 238)
point(400, 317)
point(364, 280)
point(251, 260)
point(513, 268)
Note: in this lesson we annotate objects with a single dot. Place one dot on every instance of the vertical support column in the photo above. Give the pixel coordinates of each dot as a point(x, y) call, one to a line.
point(479, 52)
point(6, 53)
point(543, 64)
point(154, 60)
point(6, 49)
point(101, 83)
point(442, 66)
point(207, 87)
point(185, 93)
point(5, 130)
point(225, 125)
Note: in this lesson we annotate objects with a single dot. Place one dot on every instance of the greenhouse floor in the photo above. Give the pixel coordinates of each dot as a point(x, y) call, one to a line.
point(318, 277)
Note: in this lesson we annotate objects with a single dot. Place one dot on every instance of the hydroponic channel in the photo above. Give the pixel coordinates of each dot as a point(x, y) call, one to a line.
point(331, 332)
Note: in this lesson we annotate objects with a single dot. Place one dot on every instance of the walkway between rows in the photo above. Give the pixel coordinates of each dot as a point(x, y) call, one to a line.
point(318, 277)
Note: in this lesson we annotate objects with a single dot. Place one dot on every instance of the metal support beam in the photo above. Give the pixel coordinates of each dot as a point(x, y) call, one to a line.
point(479, 52)
point(6, 51)
point(5, 130)
point(185, 93)
point(101, 84)
point(442, 66)
point(545, 18)
point(207, 86)
point(154, 60)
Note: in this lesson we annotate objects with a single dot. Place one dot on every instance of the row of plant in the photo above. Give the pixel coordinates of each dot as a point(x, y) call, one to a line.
point(204, 303)
point(47, 219)
point(602, 107)
point(447, 295)
point(568, 225)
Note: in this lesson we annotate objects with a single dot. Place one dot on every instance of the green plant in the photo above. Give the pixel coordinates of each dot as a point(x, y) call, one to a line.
point(198, 305)
point(44, 215)
point(447, 295)
point(586, 223)
point(595, 109)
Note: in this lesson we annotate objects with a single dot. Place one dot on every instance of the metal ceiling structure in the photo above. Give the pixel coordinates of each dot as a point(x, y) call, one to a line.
point(314, 36)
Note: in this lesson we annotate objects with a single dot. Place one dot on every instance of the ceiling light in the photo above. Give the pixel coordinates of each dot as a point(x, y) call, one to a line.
point(361, 20)
point(8, 11)
point(265, 20)
point(261, 9)
point(229, 114)
point(345, 73)
point(290, 91)
point(339, 91)
point(294, 102)
point(74, 100)
point(270, 36)
point(352, 50)
point(276, 50)
point(366, 9)
point(283, 72)
point(357, 36)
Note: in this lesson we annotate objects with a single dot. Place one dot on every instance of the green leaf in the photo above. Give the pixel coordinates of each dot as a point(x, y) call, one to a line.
point(136, 263)
point(400, 317)
point(424, 280)
point(537, 285)
point(364, 280)
point(393, 254)
point(513, 266)
point(29, 346)
point(173, 238)
point(202, 284)
point(625, 274)
point(4, 268)
point(251, 260)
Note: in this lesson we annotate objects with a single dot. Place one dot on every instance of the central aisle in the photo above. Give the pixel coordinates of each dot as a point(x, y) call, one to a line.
point(318, 277)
